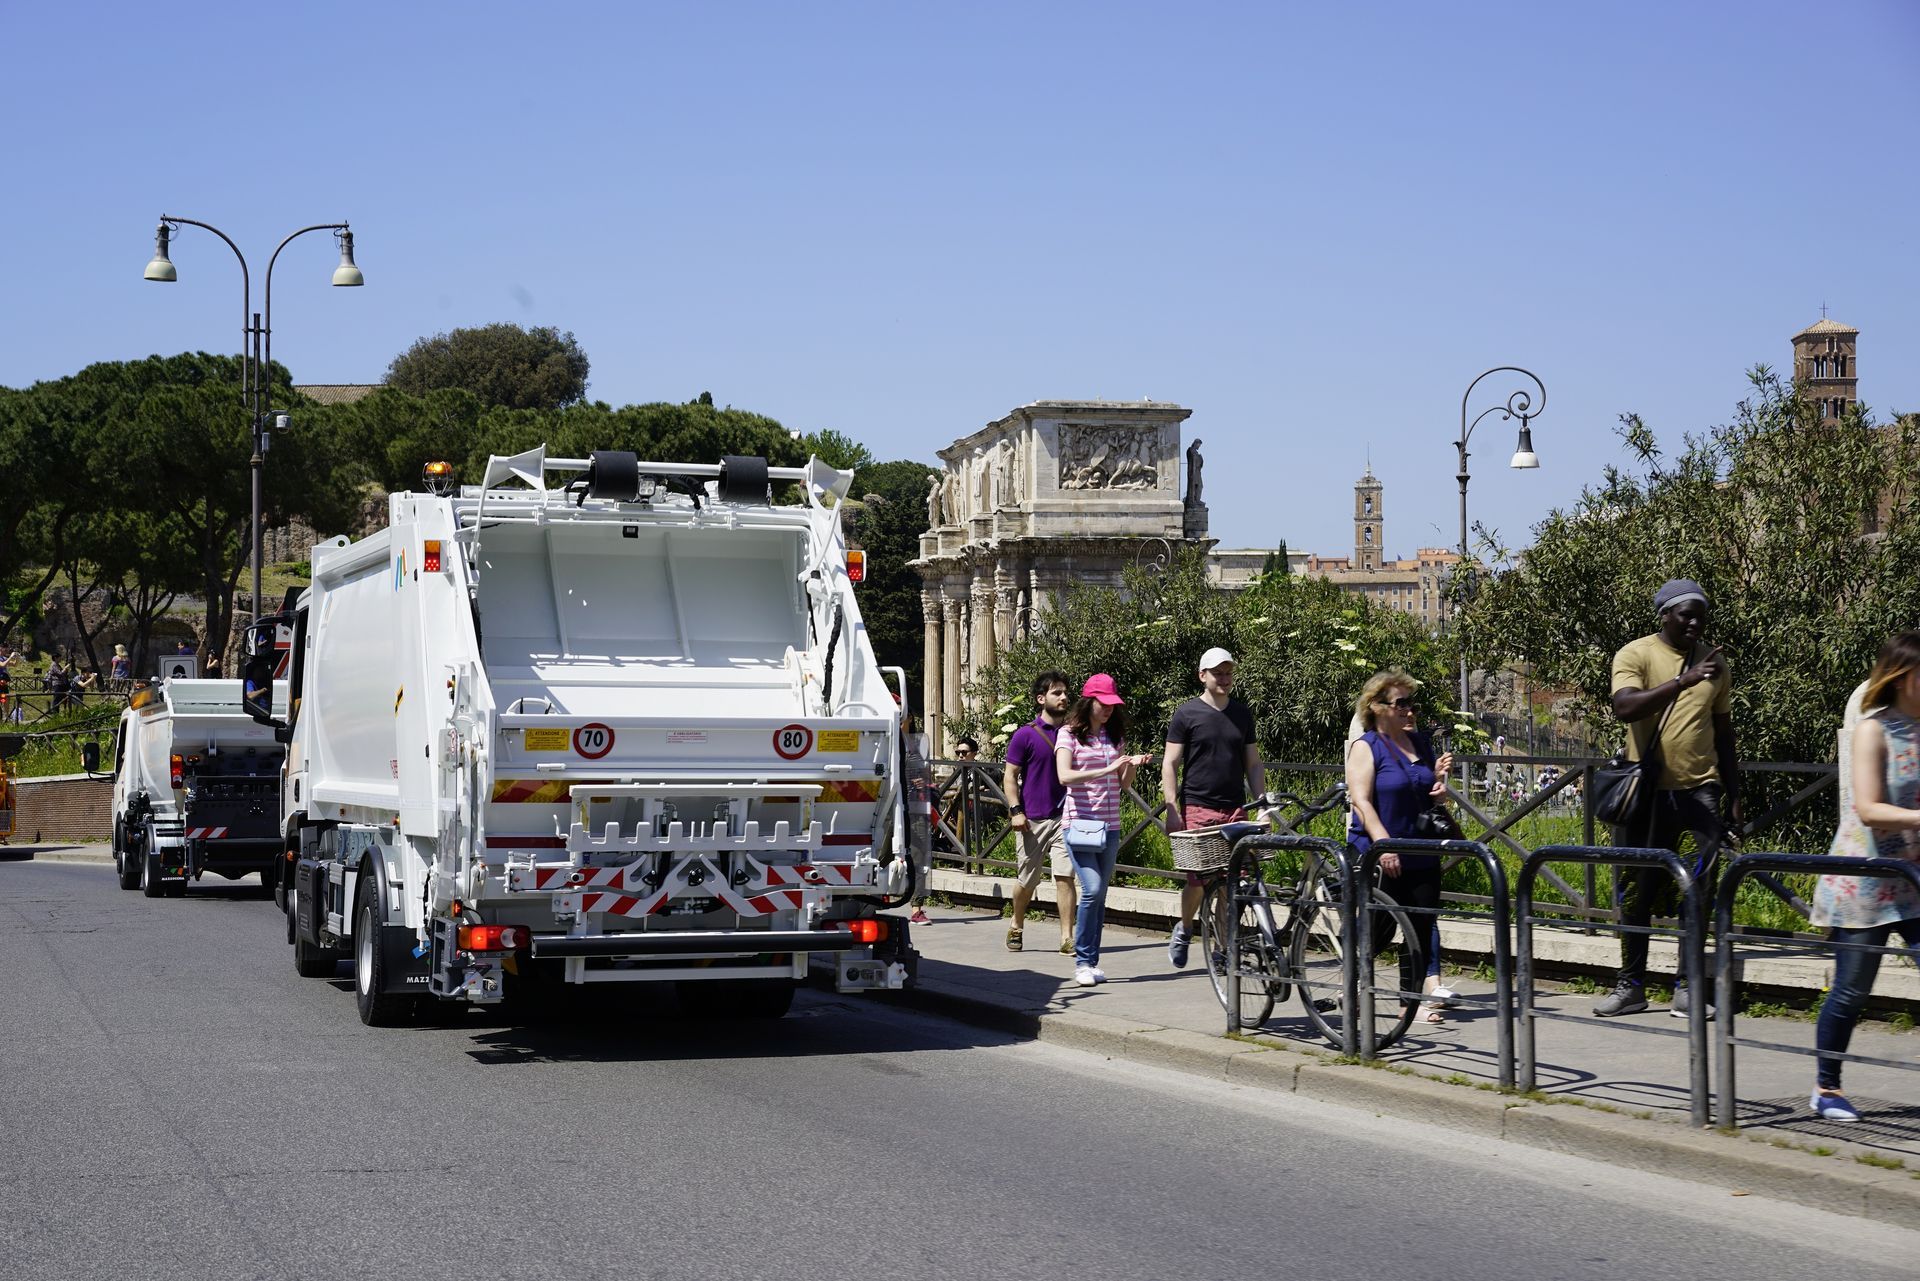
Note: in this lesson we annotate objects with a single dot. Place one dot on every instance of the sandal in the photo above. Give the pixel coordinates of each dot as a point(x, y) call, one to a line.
point(1016, 939)
point(1432, 1014)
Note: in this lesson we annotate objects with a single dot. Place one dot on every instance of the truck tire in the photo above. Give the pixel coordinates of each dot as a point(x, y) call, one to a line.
point(737, 998)
point(124, 858)
point(377, 1008)
point(309, 962)
point(152, 885)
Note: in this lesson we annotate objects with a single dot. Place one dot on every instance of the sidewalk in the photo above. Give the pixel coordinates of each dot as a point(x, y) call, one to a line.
point(1634, 1086)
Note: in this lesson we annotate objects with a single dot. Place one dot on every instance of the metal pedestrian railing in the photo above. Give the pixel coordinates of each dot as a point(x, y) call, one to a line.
point(1726, 960)
point(1499, 916)
point(1334, 854)
point(1690, 935)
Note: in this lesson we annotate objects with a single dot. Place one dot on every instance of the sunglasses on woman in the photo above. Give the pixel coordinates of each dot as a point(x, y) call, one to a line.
point(1404, 704)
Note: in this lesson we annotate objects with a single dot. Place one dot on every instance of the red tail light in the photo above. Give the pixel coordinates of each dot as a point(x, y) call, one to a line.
point(430, 556)
point(870, 930)
point(856, 567)
point(494, 938)
point(177, 768)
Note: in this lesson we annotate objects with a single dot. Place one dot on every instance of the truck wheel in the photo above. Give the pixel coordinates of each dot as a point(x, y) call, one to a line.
point(737, 998)
point(309, 962)
point(377, 1008)
point(125, 859)
point(151, 883)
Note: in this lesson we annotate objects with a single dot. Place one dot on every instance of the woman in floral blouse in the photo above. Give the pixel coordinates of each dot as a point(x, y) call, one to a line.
point(1883, 821)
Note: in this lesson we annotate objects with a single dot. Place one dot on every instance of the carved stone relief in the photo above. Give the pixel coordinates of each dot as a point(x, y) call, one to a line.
point(1109, 458)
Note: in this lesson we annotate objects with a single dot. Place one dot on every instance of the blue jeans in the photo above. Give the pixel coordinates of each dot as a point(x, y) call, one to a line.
point(1093, 868)
point(1853, 975)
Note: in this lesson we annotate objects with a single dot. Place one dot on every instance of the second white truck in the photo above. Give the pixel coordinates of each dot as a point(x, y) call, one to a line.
point(196, 788)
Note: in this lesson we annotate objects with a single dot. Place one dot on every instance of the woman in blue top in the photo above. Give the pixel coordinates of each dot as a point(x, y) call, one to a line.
point(1393, 778)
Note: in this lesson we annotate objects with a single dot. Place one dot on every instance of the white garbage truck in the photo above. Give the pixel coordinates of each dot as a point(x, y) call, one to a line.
point(196, 787)
point(625, 729)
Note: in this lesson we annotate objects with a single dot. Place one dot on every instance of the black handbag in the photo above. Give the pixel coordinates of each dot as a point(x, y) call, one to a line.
point(1437, 824)
point(1623, 789)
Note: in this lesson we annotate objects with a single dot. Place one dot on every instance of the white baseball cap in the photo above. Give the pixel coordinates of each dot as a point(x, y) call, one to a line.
point(1213, 658)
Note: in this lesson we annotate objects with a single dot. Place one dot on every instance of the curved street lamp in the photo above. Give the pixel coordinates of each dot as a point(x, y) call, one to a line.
point(1520, 404)
point(256, 345)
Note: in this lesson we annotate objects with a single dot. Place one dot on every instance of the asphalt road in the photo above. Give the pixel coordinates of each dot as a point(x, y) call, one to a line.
point(174, 1102)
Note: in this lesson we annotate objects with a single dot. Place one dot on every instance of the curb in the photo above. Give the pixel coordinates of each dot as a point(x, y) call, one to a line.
point(33, 854)
point(1742, 1164)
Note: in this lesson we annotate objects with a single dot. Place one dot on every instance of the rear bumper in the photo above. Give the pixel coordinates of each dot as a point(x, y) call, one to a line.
point(694, 943)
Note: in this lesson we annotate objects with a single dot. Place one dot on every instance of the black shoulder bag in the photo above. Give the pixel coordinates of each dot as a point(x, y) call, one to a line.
point(1623, 789)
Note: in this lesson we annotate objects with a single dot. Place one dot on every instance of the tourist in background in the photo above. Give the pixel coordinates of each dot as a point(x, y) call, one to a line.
point(1035, 800)
point(1212, 736)
point(1091, 761)
point(1393, 778)
point(1674, 693)
point(1879, 818)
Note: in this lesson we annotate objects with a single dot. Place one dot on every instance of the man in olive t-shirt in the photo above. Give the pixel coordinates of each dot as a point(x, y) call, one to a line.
point(1675, 687)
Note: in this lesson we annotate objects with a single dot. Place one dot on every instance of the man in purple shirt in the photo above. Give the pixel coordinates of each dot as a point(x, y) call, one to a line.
point(1034, 798)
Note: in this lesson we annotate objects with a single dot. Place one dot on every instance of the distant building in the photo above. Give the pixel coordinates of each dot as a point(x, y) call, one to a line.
point(1415, 585)
point(1823, 367)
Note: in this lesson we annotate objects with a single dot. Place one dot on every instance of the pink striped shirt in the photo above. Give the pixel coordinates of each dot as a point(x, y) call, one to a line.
point(1098, 797)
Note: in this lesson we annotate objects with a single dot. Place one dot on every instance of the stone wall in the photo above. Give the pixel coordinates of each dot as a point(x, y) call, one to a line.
point(65, 807)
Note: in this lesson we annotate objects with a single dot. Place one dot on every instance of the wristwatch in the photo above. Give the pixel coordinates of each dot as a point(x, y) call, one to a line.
point(1016, 809)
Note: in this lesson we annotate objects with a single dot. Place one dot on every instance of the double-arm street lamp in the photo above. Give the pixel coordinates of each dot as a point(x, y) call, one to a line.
point(1519, 405)
point(256, 347)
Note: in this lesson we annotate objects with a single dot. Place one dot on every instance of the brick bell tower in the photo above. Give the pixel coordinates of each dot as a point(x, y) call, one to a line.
point(1823, 366)
point(1368, 522)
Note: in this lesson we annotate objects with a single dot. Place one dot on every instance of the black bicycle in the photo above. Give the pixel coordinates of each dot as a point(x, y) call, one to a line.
point(1289, 922)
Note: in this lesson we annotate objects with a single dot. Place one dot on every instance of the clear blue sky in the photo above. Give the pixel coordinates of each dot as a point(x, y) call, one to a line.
point(1311, 224)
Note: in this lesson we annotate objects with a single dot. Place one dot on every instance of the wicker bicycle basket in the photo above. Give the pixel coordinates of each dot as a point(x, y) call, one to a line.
point(1205, 850)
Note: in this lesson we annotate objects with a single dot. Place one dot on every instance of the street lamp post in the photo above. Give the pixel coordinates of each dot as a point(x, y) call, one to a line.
point(256, 348)
point(1519, 405)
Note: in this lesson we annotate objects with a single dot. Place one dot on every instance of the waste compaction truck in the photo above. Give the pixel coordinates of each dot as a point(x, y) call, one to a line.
point(626, 729)
point(196, 787)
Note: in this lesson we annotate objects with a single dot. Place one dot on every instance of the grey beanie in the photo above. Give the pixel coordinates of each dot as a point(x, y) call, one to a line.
point(1677, 591)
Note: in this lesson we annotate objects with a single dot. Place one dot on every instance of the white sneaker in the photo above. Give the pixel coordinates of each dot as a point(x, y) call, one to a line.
point(1099, 975)
point(1086, 976)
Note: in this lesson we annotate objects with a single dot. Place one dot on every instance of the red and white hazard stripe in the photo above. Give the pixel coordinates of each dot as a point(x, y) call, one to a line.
point(822, 874)
point(205, 833)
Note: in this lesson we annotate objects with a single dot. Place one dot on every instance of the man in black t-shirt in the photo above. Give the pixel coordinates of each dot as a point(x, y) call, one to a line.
point(1213, 735)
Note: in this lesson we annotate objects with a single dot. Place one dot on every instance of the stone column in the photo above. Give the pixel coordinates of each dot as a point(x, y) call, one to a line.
point(949, 667)
point(981, 656)
point(1004, 604)
point(930, 672)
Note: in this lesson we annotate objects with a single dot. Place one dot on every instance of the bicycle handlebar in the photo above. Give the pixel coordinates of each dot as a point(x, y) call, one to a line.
point(1274, 800)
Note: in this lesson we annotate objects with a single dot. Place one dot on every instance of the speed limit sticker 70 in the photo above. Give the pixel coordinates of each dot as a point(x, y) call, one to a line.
point(792, 742)
point(593, 740)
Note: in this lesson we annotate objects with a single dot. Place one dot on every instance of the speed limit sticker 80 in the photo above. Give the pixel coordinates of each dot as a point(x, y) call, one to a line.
point(792, 741)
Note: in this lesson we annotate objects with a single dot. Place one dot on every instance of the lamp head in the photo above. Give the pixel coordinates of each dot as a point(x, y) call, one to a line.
point(346, 274)
point(161, 268)
point(1523, 456)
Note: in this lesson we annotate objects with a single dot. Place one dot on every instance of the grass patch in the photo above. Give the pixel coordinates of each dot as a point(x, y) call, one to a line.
point(1776, 1010)
point(1881, 1162)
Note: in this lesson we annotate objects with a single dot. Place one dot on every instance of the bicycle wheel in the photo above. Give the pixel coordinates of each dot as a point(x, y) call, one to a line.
point(1315, 954)
point(1263, 980)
